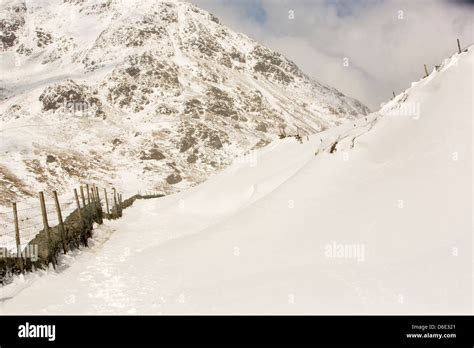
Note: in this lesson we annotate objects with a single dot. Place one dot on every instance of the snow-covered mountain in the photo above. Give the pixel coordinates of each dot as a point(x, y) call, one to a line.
point(145, 94)
point(375, 218)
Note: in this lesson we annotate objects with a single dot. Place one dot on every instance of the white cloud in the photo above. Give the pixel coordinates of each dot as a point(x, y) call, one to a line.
point(385, 53)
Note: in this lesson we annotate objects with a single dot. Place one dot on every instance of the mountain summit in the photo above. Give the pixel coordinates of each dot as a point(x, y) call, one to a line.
point(141, 94)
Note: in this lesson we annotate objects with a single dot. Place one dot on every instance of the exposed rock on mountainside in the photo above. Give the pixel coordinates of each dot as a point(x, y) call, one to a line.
point(124, 85)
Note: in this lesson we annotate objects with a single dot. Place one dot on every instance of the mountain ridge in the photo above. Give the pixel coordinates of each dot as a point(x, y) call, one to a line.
point(168, 94)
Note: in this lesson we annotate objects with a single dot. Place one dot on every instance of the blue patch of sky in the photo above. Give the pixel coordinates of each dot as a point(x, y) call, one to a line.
point(251, 9)
point(345, 8)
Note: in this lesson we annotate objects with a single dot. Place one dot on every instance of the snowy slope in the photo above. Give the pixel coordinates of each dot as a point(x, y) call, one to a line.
point(141, 94)
point(264, 236)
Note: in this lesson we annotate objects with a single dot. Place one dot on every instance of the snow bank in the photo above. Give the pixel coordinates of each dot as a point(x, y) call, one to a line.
point(383, 224)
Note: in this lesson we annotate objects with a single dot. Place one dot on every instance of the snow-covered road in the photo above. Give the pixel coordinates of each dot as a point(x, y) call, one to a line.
point(381, 225)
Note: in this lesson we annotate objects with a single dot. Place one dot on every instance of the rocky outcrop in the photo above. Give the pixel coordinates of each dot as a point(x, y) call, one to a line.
point(150, 83)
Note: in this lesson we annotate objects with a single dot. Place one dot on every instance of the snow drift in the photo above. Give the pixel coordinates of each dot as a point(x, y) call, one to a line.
point(373, 216)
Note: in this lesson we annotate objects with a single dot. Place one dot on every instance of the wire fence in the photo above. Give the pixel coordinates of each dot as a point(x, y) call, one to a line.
point(30, 215)
point(29, 223)
point(31, 237)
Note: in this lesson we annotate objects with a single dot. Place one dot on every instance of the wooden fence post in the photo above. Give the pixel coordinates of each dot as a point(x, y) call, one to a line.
point(118, 205)
point(106, 202)
point(17, 237)
point(97, 197)
point(97, 194)
point(83, 197)
point(88, 194)
point(115, 203)
point(93, 199)
point(46, 227)
point(459, 46)
point(78, 204)
point(79, 212)
point(60, 221)
point(426, 70)
point(99, 205)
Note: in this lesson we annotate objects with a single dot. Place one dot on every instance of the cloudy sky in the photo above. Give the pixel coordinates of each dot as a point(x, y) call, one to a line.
point(386, 42)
